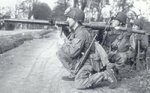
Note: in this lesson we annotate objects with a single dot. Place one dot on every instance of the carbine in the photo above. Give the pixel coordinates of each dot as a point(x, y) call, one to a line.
point(83, 59)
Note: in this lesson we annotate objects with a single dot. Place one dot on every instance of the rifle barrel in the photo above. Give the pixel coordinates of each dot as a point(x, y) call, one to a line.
point(43, 22)
point(130, 30)
point(93, 25)
point(97, 25)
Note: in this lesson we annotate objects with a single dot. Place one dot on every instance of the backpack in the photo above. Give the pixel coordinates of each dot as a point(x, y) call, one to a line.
point(99, 50)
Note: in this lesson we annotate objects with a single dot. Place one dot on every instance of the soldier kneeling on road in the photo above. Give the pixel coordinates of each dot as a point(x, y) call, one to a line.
point(120, 51)
point(124, 49)
point(92, 72)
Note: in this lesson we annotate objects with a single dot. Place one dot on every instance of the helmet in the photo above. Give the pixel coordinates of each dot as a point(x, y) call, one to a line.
point(75, 13)
point(122, 17)
point(131, 15)
point(139, 22)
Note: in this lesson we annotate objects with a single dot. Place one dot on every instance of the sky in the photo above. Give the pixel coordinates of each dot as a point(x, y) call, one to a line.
point(12, 3)
point(4, 3)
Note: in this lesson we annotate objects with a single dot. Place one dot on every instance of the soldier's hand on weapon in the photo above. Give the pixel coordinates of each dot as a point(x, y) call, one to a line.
point(114, 46)
point(105, 32)
point(113, 52)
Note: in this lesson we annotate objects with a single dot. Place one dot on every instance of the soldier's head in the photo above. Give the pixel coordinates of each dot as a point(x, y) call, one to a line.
point(120, 19)
point(131, 17)
point(138, 23)
point(74, 16)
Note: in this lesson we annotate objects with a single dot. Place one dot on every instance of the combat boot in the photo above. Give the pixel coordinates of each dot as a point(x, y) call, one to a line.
point(111, 78)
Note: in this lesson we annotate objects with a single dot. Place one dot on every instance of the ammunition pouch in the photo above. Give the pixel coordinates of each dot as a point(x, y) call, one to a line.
point(96, 62)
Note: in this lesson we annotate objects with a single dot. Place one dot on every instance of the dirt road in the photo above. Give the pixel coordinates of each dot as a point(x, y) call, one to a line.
point(34, 68)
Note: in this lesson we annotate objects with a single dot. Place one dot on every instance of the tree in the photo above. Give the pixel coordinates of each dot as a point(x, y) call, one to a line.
point(41, 11)
point(80, 3)
point(58, 12)
point(124, 6)
point(23, 8)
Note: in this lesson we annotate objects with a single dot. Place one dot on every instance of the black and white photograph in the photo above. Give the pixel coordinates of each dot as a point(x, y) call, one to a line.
point(74, 46)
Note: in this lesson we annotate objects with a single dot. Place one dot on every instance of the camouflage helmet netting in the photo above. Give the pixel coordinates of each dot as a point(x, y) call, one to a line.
point(75, 13)
point(122, 17)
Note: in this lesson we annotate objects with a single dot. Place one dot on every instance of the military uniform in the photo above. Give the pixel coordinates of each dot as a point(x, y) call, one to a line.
point(143, 38)
point(72, 51)
point(143, 44)
point(113, 34)
point(119, 49)
point(93, 72)
point(125, 47)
